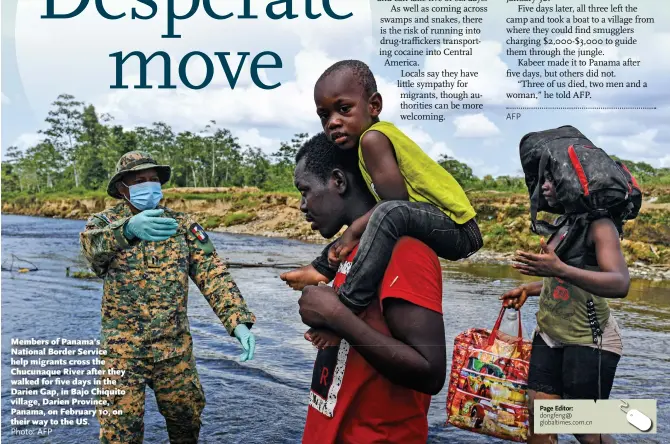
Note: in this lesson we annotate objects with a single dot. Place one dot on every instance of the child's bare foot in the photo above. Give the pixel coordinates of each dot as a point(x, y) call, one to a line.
point(302, 277)
point(322, 338)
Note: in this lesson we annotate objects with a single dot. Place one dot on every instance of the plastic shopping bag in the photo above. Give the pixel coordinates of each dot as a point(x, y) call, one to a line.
point(487, 385)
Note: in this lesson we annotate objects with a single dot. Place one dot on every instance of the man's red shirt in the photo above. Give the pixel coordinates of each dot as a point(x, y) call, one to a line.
point(350, 401)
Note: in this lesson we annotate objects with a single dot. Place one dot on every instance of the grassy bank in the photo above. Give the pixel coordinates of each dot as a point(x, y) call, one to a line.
point(505, 223)
point(503, 216)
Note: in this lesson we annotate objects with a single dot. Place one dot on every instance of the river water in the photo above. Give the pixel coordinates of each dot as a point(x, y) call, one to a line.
point(265, 400)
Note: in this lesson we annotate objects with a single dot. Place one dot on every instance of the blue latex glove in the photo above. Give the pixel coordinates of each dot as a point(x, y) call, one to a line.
point(247, 340)
point(149, 226)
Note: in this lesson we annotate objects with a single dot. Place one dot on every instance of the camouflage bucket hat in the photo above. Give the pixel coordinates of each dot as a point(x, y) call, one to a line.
point(136, 161)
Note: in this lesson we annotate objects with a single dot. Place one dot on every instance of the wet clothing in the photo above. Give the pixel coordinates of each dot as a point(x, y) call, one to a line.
point(564, 308)
point(350, 401)
point(178, 392)
point(145, 328)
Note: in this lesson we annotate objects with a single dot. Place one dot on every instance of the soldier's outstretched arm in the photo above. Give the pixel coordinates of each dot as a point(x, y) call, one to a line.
point(212, 277)
point(101, 241)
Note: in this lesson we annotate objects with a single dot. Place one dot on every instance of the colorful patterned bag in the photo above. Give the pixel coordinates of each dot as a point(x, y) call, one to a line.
point(487, 386)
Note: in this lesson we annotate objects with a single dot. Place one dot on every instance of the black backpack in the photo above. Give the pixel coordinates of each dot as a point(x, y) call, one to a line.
point(635, 192)
point(587, 179)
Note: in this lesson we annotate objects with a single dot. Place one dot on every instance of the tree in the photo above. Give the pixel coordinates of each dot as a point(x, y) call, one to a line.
point(282, 170)
point(46, 162)
point(287, 152)
point(92, 149)
point(188, 160)
point(488, 182)
point(510, 183)
point(118, 142)
point(256, 167)
point(81, 149)
point(460, 171)
point(65, 125)
point(223, 149)
point(11, 168)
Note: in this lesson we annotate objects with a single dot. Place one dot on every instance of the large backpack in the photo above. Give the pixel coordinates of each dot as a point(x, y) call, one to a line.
point(587, 180)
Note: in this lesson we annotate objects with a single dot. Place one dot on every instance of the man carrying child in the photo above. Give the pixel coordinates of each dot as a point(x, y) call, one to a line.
point(416, 196)
point(375, 385)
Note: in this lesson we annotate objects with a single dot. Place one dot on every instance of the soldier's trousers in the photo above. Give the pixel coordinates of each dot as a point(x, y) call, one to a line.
point(179, 396)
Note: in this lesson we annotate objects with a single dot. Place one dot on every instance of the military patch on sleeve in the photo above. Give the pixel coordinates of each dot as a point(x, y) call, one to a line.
point(199, 233)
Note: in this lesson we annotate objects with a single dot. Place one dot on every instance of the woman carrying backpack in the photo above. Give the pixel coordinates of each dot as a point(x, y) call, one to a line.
point(577, 343)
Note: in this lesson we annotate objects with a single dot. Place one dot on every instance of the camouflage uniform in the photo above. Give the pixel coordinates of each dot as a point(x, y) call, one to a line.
point(145, 330)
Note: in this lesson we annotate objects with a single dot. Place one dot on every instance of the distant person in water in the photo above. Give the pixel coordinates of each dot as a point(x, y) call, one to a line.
point(376, 384)
point(416, 196)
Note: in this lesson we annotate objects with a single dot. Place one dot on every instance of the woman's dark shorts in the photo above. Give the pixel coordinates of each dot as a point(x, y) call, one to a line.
point(571, 372)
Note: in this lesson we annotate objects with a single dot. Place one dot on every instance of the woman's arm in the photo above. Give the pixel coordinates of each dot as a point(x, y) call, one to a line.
point(532, 289)
point(611, 281)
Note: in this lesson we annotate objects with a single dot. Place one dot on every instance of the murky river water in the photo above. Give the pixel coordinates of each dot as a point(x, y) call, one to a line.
point(265, 400)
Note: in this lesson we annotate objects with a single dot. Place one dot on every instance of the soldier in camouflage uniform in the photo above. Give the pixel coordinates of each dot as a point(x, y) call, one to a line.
point(145, 330)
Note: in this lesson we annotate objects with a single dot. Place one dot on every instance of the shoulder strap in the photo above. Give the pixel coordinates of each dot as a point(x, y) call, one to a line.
point(571, 249)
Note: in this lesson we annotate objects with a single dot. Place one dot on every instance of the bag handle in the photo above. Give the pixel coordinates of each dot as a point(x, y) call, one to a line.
point(496, 327)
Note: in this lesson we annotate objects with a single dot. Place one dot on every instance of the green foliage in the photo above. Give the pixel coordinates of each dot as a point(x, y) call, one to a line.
point(202, 196)
point(17, 196)
point(211, 222)
point(80, 148)
point(464, 175)
point(645, 173)
point(460, 171)
point(237, 218)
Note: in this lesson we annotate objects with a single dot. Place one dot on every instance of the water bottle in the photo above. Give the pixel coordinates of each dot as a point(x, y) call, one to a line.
point(510, 322)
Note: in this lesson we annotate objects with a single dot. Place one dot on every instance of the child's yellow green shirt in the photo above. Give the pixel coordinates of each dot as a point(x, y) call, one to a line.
point(425, 179)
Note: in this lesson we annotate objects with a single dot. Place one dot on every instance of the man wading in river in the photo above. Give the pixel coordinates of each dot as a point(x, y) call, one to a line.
point(145, 254)
point(376, 384)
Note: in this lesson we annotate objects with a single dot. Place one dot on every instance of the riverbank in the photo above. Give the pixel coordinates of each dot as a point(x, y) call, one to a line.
point(503, 218)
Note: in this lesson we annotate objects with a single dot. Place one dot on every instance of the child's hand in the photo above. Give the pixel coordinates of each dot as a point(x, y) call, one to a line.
point(334, 254)
point(348, 242)
point(302, 277)
point(343, 247)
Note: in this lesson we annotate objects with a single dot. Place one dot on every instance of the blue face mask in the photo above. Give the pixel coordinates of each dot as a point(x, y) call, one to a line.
point(145, 195)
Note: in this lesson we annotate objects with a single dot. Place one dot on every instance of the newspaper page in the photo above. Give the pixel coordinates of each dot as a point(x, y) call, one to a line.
point(335, 221)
